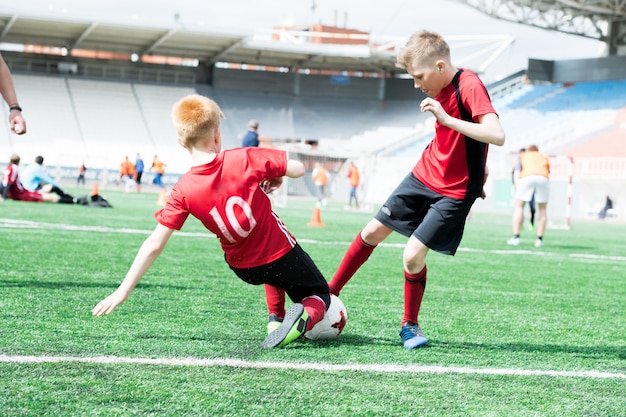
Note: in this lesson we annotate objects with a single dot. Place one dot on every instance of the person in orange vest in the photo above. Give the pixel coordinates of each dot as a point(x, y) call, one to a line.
point(127, 169)
point(531, 203)
point(320, 179)
point(355, 178)
point(127, 173)
point(531, 176)
point(158, 167)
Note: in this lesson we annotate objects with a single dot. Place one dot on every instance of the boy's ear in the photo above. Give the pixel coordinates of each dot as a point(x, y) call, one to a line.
point(441, 65)
point(218, 136)
point(180, 142)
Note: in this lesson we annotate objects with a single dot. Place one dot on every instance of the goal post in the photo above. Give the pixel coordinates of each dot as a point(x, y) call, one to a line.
point(561, 192)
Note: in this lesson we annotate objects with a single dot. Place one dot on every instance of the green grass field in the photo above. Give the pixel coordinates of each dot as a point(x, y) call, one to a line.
point(513, 331)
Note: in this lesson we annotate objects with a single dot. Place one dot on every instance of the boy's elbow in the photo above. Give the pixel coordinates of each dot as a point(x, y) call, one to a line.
point(295, 169)
point(499, 138)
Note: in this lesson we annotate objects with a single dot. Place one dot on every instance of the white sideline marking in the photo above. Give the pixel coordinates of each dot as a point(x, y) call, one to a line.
point(27, 224)
point(237, 363)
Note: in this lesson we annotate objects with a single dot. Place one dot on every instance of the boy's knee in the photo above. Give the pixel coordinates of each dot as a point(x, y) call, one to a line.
point(414, 262)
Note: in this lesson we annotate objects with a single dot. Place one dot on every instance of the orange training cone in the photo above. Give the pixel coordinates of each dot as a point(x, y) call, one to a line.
point(162, 198)
point(316, 219)
point(94, 190)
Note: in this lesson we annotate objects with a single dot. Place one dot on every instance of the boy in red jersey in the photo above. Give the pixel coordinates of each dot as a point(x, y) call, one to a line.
point(431, 204)
point(226, 191)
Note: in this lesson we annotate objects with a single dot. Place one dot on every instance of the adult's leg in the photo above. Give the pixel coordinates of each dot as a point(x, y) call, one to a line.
point(542, 218)
point(518, 216)
point(532, 206)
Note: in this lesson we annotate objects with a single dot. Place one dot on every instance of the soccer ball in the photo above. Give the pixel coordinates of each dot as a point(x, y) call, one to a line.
point(331, 326)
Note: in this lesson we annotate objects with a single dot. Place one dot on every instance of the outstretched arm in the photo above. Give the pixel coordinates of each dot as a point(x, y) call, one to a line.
point(148, 253)
point(7, 89)
point(295, 169)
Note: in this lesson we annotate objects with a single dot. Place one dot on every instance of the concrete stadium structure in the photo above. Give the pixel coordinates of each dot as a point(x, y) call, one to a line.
point(90, 96)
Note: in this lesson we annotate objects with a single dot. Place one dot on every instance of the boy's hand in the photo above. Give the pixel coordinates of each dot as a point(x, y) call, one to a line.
point(109, 304)
point(17, 124)
point(433, 106)
point(269, 186)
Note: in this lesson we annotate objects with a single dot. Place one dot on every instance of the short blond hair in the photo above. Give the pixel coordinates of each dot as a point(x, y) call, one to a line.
point(424, 46)
point(196, 118)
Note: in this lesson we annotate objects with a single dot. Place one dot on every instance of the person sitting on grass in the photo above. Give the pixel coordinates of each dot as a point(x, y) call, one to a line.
point(34, 177)
point(13, 188)
point(227, 191)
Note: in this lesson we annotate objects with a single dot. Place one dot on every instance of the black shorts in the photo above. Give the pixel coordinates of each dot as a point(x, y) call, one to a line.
point(295, 272)
point(437, 221)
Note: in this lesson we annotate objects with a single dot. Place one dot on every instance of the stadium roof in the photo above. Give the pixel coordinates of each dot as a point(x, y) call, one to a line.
point(294, 48)
point(301, 48)
point(604, 20)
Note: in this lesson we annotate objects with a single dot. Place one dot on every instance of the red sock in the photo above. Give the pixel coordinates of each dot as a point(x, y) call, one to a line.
point(315, 308)
point(275, 299)
point(414, 286)
point(355, 256)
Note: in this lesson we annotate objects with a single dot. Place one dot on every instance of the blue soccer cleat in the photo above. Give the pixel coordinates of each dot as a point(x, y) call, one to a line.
point(412, 336)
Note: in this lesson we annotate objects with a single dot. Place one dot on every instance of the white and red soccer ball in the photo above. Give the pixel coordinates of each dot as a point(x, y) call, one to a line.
point(331, 326)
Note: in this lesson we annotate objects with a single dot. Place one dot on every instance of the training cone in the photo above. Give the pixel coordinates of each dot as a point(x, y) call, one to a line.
point(94, 190)
point(162, 198)
point(316, 219)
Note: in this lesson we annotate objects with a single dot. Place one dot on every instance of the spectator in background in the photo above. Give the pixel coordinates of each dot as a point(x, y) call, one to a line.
point(251, 138)
point(81, 174)
point(13, 188)
point(608, 204)
point(320, 179)
point(531, 204)
point(158, 167)
point(17, 124)
point(354, 178)
point(531, 177)
point(127, 174)
point(139, 167)
point(34, 177)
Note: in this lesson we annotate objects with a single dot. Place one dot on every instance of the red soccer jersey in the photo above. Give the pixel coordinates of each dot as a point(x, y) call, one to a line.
point(454, 165)
point(226, 197)
point(17, 190)
point(10, 174)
